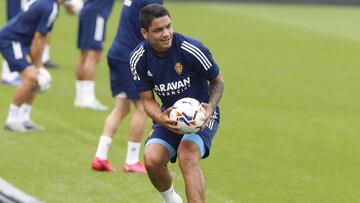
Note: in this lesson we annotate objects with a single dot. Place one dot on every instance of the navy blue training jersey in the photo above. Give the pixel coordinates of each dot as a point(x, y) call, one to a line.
point(183, 72)
point(128, 35)
point(102, 7)
point(35, 16)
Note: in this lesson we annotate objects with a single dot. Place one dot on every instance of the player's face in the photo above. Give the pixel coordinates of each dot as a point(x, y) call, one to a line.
point(159, 34)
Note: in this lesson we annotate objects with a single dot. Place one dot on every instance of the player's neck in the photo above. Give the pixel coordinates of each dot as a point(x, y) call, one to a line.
point(160, 52)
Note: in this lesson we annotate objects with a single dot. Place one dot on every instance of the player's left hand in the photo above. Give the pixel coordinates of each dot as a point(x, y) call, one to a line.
point(209, 111)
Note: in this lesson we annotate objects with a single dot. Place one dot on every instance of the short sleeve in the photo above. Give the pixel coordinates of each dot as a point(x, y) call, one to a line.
point(49, 14)
point(200, 58)
point(139, 71)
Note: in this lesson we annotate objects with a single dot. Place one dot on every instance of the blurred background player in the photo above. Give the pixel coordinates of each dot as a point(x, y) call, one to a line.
point(175, 66)
point(13, 78)
point(91, 35)
point(13, 7)
point(27, 30)
point(124, 91)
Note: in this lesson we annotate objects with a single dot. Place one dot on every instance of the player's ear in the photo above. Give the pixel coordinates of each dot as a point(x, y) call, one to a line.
point(144, 33)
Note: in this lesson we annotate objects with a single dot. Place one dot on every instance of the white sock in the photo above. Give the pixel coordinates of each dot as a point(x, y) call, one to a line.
point(46, 54)
point(25, 110)
point(133, 151)
point(170, 196)
point(103, 147)
point(13, 115)
point(78, 90)
point(85, 90)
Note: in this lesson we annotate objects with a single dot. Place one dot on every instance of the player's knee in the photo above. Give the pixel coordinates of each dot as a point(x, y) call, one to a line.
point(122, 110)
point(30, 78)
point(152, 161)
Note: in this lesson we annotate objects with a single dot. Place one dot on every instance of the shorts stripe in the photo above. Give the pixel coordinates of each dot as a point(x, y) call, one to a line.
point(99, 29)
point(196, 139)
point(17, 50)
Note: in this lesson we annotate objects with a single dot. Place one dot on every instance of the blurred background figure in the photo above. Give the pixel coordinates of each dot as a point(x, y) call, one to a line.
point(13, 7)
point(91, 35)
point(22, 42)
point(12, 78)
point(124, 91)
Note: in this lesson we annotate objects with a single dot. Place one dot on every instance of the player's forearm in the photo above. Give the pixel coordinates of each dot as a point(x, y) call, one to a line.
point(37, 48)
point(152, 109)
point(216, 91)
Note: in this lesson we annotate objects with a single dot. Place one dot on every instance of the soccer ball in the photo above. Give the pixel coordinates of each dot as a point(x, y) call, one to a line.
point(74, 5)
point(43, 79)
point(189, 114)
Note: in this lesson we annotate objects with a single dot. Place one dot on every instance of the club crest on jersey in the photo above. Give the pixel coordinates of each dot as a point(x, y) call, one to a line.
point(178, 68)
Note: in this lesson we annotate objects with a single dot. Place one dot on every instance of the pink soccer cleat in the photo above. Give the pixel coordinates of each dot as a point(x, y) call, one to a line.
point(134, 168)
point(101, 165)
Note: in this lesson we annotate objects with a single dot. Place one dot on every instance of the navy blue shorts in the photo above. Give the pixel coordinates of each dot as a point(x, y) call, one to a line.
point(91, 33)
point(171, 141)
point(121, 79)
point(16, 54)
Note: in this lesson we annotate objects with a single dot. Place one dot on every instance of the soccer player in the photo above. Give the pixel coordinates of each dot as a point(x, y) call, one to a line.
point(124, 91)
point(175, 66)
point(91, 35)
point(8, 77)
point(13, 78)
point(27, 29)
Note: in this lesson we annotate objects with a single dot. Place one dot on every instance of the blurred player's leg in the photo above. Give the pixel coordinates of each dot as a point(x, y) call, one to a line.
point(85, 84)
point(13, 7)
point(45, 59)
point(8, 77)
point(112, 122)
point(25, 93)
point(136, 132)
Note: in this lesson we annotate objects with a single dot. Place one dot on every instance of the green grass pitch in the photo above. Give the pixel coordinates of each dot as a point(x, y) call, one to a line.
point(290, 113)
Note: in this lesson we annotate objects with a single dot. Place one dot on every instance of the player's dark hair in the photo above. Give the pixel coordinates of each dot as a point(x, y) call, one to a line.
point(151, 11)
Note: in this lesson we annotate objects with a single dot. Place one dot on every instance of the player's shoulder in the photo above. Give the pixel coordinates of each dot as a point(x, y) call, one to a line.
point(188, 43)
point(138, 53)
point(190, 47)
point(140, 48)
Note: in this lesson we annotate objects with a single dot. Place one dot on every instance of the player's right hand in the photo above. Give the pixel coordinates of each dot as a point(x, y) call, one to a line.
point(168, 123)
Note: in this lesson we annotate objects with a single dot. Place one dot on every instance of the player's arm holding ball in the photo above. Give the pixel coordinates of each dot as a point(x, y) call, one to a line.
point(37, 47)
point(216, 92)
point(153, 109)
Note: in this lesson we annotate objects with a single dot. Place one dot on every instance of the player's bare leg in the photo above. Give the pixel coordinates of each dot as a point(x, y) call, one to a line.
point(120, 111)
point(112, 122)
point(189, 156)
point(156, 159)
point(85, 84)
point(136, 133)
point(24, 94)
